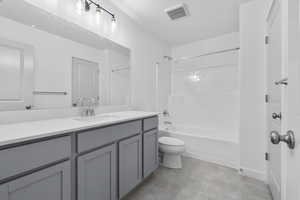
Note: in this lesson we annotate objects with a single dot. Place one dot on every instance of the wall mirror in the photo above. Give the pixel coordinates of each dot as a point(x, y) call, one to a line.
point(47, 63)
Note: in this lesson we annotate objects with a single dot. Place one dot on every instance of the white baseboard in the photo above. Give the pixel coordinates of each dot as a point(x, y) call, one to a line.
point(259, 175)
point(212, 160)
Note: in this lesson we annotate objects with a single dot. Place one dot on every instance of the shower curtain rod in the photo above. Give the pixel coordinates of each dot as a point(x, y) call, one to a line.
point(208, 54)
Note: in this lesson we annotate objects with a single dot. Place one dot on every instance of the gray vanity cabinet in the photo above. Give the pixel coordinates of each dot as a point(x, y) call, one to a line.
point(103, 163)
point(52, 183)
point(150, 152)
point(130, 164)
point(97, 174)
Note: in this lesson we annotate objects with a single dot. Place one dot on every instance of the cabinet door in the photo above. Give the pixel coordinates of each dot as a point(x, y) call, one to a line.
point(150, 152)
point(130, 164)
point(53, 183)
point(97, 175)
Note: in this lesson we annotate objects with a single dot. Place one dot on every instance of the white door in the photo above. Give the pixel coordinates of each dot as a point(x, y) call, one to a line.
point(291, 100)
point(85, 80)
point(16, 75)
point(274, 96)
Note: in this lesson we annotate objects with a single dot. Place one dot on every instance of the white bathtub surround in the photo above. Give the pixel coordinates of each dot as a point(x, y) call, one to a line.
point(204, 100)
point(171, 149)
point(20, 132)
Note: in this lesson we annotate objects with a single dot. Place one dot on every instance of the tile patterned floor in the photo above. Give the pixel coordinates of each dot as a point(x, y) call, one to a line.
point(199, 180)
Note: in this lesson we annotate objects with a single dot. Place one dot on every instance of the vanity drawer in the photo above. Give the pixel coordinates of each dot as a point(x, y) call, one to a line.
point(150, 123)
point(23, 158)
point(98, 137)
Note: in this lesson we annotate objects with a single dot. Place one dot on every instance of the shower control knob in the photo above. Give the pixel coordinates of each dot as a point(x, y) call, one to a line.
point(288, 138)
point(276, 116)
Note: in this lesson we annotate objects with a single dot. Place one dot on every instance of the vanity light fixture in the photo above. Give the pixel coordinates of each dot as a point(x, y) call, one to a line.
point(86, 4)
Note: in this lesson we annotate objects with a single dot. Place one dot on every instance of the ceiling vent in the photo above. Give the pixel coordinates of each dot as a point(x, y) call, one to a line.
point(177, 12)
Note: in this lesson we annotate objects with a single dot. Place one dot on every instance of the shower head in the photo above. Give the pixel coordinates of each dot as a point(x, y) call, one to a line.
point(165, 58)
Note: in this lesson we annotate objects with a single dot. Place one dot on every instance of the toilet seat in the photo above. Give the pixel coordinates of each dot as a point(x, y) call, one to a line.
point(170, 141)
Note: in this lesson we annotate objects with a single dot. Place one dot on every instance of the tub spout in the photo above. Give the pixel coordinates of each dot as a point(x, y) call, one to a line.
point(167, 122)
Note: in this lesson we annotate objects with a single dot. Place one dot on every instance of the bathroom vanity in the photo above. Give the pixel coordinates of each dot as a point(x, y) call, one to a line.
point(65, 68)
point(83, 159)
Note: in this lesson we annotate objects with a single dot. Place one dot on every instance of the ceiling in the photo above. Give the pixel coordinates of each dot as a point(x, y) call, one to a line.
point(208, 18)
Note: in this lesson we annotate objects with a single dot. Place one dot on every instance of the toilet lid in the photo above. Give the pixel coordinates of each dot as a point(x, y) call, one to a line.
point(170, 141)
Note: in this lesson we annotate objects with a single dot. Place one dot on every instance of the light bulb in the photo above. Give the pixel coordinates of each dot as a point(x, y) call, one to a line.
point(79, 6)
point(98, 15)
point(194, 77)
point(113, 24)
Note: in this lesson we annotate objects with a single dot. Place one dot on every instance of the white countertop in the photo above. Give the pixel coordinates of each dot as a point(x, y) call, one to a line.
point(20, 132)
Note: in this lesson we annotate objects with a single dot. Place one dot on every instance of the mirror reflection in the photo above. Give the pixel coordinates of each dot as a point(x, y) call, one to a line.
point(57, 68)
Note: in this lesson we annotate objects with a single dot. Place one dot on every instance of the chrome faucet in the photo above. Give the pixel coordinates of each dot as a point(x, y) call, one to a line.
point(88, 106)
point(166, 113)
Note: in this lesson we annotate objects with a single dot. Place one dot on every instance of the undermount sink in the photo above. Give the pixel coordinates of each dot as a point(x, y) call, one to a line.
point(97, 118)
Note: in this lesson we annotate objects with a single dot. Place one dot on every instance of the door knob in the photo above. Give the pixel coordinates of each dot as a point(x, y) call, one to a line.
point(288, 138)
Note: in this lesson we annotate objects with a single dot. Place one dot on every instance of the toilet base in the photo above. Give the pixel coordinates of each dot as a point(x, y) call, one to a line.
point(172, 161)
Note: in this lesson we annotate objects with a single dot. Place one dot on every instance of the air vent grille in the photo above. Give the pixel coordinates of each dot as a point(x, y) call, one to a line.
point(177, 12)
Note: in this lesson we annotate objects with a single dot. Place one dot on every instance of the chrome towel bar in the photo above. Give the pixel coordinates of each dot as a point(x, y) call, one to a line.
point(49, 93)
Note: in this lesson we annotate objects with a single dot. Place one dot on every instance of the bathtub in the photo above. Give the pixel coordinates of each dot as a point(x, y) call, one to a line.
point(207, 148)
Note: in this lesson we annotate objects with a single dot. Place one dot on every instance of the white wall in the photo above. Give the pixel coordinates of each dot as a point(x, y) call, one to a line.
point(164, 69)
point(146, 50)
point(53, 55)
point(119, 78)
point(205, 46)
point(253, 136)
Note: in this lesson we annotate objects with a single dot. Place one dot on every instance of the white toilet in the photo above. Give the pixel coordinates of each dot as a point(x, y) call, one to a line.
point(171, 149)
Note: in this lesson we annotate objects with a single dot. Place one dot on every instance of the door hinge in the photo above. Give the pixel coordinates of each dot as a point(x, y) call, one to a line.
point(267, 156)
point(266, 39)
point(267, 98)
